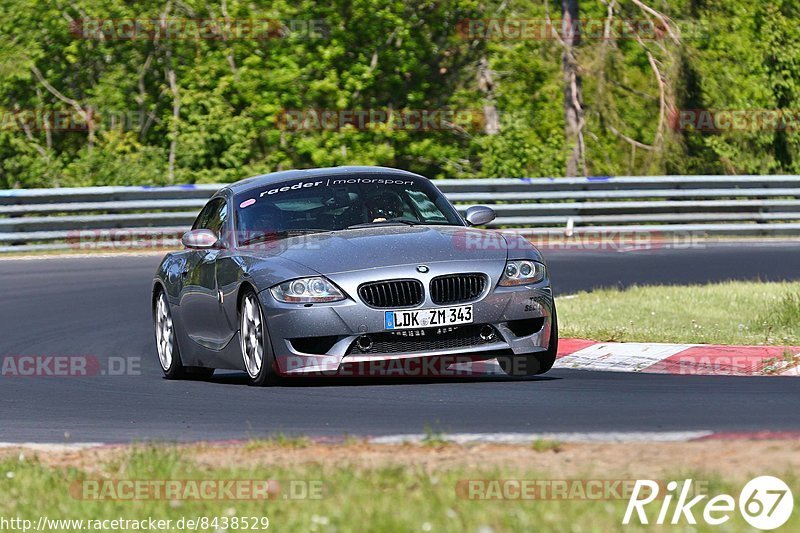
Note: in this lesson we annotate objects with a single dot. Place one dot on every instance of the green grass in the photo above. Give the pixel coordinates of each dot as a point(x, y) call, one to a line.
point(280, 440)
point(545, 445)
point(388, 498)
point(748, 313)
point(433, 437)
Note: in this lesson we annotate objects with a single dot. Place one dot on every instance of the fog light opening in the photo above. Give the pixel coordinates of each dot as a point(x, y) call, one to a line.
point(487, 333)
point(364, 343)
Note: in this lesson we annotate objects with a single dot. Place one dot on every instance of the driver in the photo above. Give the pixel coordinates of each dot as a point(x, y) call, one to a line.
point(384, 206)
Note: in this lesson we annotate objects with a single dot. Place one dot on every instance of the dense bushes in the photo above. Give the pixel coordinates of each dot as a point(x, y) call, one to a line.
point(212, 110)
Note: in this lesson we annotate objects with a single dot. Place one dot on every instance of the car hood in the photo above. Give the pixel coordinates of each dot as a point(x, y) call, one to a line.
point(357, 249)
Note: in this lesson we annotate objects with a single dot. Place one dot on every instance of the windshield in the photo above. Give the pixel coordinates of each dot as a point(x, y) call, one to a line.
point(339, 202)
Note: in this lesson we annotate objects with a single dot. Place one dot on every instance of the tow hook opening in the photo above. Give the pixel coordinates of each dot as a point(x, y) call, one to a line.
point(487, 333)
point(364, 343)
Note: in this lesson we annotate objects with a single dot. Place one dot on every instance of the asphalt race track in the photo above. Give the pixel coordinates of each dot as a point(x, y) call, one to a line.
point(99, 307)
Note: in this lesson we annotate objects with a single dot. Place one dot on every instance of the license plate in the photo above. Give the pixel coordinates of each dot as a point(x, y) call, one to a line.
point(429, 318)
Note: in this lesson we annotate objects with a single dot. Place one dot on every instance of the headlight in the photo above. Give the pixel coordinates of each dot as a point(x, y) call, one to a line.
point(522, 272)
point(307, 290)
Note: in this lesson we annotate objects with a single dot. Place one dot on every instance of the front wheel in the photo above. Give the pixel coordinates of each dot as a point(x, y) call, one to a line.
point(255, 345)
point(169, 357)
point(535, 363)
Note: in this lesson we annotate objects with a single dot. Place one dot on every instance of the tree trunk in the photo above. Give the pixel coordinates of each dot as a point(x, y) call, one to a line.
point(573, 105)
point(491, 118)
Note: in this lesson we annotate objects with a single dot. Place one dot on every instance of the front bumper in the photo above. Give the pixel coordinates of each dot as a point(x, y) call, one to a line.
point(320, 338)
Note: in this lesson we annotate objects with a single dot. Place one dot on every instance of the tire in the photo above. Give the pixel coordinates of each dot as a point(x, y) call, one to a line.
point(169, 356)
point(535, 363)
point(255, 346)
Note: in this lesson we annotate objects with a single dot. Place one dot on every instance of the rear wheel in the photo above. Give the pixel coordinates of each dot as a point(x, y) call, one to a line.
point(535, 363)
point(169, 357)
point(255, 346)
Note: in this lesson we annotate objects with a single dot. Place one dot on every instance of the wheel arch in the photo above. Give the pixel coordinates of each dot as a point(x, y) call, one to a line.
point(158, 287)
point(244, 287)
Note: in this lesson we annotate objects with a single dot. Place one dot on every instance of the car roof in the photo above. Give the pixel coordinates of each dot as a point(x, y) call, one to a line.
point(284, 175)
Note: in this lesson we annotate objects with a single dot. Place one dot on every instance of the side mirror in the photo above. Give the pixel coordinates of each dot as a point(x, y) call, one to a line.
point(200, 239)
point(478, 215)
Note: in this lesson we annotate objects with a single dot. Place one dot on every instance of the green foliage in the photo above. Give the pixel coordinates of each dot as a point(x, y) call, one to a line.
point(117, 158)
point(222, 119)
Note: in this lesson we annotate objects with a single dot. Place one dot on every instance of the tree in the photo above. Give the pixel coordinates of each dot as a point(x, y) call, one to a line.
point(573, 105)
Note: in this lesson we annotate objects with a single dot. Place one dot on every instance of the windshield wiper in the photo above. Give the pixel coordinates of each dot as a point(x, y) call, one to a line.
point(387, 222)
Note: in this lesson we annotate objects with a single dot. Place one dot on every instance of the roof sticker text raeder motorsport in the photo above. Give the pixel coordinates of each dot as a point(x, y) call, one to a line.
point(334, 181)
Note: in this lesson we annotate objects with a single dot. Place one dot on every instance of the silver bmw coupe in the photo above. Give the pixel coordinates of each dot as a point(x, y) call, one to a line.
point(311, 272)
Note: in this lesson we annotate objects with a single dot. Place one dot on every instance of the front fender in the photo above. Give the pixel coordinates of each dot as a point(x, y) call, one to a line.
point(266, 273)
point(261, 273)
point(168, 275)
point(521, 248)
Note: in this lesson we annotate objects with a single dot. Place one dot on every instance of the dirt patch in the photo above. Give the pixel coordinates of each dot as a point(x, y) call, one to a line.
point(736, 460)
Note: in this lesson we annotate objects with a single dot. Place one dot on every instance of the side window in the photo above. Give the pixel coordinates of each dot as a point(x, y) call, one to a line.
point(202, 219)
point(218, 217)
point(212, 216)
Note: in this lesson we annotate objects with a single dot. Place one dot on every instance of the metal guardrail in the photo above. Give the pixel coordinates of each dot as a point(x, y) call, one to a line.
point(32, 219)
